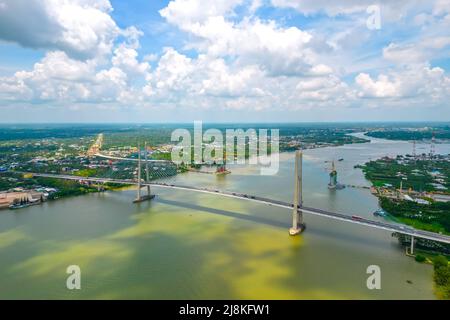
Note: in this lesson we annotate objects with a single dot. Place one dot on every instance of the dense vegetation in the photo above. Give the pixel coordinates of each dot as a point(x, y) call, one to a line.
point(130, 137)
point(439, 132)
point(49, 131)
point(415, 174)
point(307, 134)
point(65, 187)
point(442, 276)
point(431, 217)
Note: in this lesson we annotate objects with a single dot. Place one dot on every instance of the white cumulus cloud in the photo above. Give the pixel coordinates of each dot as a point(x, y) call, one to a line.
point(81, 28)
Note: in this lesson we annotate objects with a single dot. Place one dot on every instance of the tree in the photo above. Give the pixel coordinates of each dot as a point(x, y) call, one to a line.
point(440, 261)
point(442, 276)
point(420, 258)
point(447, 291)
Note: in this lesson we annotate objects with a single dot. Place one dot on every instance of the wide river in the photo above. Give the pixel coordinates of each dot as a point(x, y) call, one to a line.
point(185, 245)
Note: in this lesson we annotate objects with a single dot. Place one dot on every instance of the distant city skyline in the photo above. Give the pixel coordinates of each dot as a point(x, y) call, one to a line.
point(149, 61)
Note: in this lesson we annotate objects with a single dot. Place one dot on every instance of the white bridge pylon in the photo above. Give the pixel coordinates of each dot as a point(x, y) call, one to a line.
point(148, 196)
point(297, 215)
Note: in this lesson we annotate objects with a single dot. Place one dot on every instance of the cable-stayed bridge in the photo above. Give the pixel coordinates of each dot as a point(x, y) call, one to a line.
point(297, 207)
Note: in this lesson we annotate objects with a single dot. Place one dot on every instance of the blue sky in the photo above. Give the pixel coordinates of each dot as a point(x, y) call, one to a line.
point(224, 60)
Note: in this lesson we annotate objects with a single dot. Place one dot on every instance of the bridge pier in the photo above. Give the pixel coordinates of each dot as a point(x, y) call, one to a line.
point(100, 187)
point(411, 250)
point(297, 215)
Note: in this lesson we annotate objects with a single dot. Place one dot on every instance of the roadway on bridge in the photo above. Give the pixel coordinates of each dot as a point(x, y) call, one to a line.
point(130, 159)
point(238, 195)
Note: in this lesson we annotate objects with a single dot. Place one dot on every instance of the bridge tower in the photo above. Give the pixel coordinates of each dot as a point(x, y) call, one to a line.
point(333, 177)
point(148, 196)
point(147, 174)
point(297, 215)
point(139, 198)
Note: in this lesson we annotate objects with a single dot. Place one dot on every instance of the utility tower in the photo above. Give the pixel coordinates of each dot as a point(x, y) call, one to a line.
point(297, 215)
point(432, 146)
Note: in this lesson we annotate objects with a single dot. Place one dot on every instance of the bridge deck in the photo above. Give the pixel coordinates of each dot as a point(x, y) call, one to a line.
point(314, 211)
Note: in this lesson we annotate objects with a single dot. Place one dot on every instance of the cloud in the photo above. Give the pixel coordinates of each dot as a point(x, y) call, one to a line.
point(55, 77)
point(126, 59)
point(173, 68)
point(185, 13)
point(84, 61)
point(331, 8)
point(202, 77)
point(417, 52)
point(323, 89)
point(81, 28)
point(276, 49)
point(58, 77)
point(392, 10)
point(419, 82)
point(211, 82)
point(232, 56)
point(441, 7)
point(220, 81)
point(380, 88)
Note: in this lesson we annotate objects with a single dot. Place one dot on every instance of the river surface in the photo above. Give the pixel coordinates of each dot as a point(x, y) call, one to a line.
point(185, 245)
